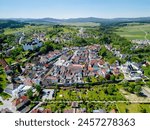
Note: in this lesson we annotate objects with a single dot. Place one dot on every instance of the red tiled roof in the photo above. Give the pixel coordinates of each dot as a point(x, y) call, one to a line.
point(35, 111)
point(103, 71)
point(51, 77)
point(47, 111)
point(28, 82)
point(90, 68)
point(46, 65)
point(93, 61)
point(101, 62)
point(19, 100)
point(76, 66)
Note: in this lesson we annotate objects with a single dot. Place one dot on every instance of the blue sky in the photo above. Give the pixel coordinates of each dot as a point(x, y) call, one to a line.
point(74, 8)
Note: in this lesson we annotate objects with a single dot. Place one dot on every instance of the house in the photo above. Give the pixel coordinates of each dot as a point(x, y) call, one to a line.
point(52, 79)
point(10, 88)
point(21, 104)
point(20, 91)
point(32, 45)
point(132, 71)
point(104, 72)
point(116, 71)
point(41, 111)
point(28, 82)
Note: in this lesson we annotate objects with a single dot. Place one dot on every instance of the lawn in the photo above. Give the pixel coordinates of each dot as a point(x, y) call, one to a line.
point(134, 31)
point(133, 108)
point(134, 97)
point(146, 71)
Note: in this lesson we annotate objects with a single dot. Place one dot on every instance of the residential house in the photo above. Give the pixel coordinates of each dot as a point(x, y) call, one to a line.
point(21, 104)
point(32, 45)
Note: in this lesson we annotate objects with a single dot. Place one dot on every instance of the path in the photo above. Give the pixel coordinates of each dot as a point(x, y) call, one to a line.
point(145, 33)
point(21, 38)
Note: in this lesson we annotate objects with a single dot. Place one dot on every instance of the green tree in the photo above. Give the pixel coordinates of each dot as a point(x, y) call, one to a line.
point(143, 110)
point(127, 110)
point(138, 89)
point(112, 78)
point(29, 93)
point(101, 78)
point(38, 88)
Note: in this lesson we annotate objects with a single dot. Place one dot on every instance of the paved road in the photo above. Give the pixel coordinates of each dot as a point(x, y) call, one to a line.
point(21, 38)
point(38, 105)
point(146, 92)
point(7, 104)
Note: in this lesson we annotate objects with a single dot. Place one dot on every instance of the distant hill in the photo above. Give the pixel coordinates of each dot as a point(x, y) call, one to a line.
point(74, 20)
point(90, 19)
point(4, 23)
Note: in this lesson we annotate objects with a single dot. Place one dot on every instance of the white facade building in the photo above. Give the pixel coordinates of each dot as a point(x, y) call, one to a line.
point(32, 45)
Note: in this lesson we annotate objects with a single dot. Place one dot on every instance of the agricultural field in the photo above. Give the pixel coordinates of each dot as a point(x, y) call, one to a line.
point(83, 24)
point(27, 29)
point(135, 31)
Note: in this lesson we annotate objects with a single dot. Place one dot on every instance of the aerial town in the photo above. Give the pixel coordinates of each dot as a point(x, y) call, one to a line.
point(72, 69)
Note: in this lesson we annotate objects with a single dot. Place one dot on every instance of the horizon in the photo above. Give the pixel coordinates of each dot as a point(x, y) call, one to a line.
point(66, 9)
point(75, 18)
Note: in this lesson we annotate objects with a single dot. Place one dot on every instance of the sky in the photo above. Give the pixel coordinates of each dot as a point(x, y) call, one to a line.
point(74, 8)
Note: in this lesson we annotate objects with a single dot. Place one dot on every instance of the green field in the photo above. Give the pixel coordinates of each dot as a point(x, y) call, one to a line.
point(83, 24)
point(133, 108)
point(27, 29)
point(135, 31)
